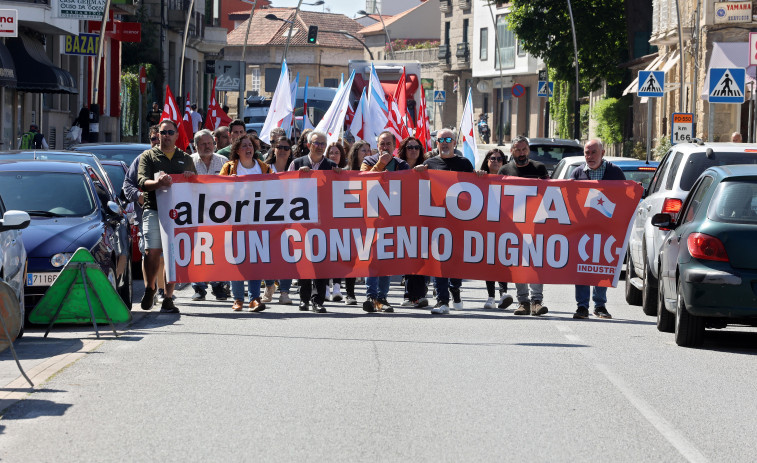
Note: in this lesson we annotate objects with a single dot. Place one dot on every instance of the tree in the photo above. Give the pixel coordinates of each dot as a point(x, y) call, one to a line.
point(543, 29)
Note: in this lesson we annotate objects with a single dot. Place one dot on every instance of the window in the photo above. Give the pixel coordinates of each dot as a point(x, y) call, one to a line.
point(483, 53)
point(333, 83)
point(506, 51)
point(255, 80)
point(694, 201)
point(521, 51)
point(465, 30)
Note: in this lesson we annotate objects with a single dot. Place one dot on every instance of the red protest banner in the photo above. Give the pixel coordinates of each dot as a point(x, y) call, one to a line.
point(328, 225)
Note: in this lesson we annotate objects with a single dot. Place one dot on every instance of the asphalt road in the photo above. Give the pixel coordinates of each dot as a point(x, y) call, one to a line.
point(476, 385)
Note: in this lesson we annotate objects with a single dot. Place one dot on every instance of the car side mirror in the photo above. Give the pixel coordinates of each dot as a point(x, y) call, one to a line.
point(114, 209)
point(663, 221)
point(14, 220)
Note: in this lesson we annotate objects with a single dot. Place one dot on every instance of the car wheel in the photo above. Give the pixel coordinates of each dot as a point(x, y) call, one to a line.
point(649, 293)
point(633, 295)
point(689, 328)
point(125, 290)
point(666, 321)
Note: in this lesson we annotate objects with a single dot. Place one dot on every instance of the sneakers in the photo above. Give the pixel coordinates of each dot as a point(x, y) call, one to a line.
point(318, 307)
point(490, 304)
point(370, 305)
point(168, 306)
point(538, 309)
point(524, 308)
point(285, 299)
point(602, 312)
point(336, 294)
point(440, 308)
point(407, 303)
point(148, 298)
point(304, 306)
point(421, 303)
point(581, 312)
point(198, 296)
point(256, 305)
point(268, 293)
point(505, 301)
point(384, 305)
point(350, 299)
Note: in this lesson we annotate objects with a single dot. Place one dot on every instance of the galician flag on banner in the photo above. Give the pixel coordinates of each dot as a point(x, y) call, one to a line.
point(333, 121)
point(357, 127)
point(216, 116)
point(375, 115)
point(597, 200)
point(281, 105)
point(171, 111)
point(466, 137)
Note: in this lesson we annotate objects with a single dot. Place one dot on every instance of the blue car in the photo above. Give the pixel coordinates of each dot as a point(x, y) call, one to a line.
point(69, 208)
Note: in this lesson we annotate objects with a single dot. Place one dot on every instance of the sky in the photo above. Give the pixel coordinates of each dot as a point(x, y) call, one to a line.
point(345, 7)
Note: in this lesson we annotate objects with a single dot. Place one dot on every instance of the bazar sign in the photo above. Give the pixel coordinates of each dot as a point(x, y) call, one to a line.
point(8, 23)
point(733, 12)
point(81, 9)
point(118, 30)
point(82, 44)
point(348, 224)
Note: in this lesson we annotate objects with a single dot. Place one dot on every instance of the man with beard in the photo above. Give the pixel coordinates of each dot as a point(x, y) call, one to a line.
point(521, 166)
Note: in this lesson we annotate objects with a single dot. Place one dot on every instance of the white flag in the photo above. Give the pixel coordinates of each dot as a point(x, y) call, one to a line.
point(375, 115)
point(597, 200)
point(281, 105)
point(333, 121)
point(468, 140)
point(358, 122)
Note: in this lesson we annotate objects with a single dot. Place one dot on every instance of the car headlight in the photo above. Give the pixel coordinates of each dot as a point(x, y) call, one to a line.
point(60, 259)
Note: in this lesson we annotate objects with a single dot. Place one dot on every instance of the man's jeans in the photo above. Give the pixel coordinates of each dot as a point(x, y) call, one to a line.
point(536, 291)
point(443, 285)
point(377, 287)
point(599, 298)
point(202, 287)
point(237, 289)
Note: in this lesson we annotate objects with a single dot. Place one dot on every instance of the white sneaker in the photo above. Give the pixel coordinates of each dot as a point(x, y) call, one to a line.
point(268, 294)
point(490, 304)
point(440, 309)
point(457, 305)
point(285, 299)
point(336, 295)
point(505, 301)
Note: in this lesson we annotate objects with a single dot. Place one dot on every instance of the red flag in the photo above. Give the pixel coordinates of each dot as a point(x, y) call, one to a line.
point(422, 132)
point(216, 116)
point(395, 124)
point(350, 115)
point(171, 111)
point(187, 120)
point(400, 95)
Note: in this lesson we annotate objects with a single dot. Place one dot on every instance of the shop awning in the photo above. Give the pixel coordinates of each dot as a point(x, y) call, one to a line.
point(728, 55)
point(7, 69)
point(37, 74)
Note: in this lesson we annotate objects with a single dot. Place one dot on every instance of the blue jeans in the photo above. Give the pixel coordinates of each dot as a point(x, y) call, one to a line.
point(443, 285)
point(599, 297)
point(237, 289)
point(284, 285)
point(377, 287)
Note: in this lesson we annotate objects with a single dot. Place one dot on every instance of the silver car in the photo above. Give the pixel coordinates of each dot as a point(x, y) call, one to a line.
point(12, 251)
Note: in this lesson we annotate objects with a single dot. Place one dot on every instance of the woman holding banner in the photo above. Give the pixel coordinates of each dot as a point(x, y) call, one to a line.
point(359, 151)
point(242, 162)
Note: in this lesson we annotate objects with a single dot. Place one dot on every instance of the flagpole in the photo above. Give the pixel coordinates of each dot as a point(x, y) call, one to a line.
point(240, 110)
point(184, 46)
point(457, 135)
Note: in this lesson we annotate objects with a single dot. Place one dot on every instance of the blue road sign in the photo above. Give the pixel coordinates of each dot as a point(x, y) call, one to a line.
point(440, 96)
point(727, 85)
point(545, 88)
point(651, 83)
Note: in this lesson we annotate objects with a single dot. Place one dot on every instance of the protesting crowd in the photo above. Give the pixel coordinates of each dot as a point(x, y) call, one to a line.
point(231, 151)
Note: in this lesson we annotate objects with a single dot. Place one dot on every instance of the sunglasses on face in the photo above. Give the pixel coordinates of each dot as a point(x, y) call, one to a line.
point(446, 140)
point(154, 139)
point(496, 159)
point(283, 148)
point(413, 147)
point(167, 132)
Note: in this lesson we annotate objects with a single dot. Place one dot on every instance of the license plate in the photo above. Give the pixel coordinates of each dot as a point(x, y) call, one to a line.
point(40, 279)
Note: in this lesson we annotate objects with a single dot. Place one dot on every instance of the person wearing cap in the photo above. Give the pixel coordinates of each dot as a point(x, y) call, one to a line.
point(33, 139)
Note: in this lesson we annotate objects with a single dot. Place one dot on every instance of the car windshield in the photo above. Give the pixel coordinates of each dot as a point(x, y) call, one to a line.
point(735, 201)
point(642, 176)
point(699, 162)
point(116, 175)
point(553, 154)
point(124, 154)
point(31, 192)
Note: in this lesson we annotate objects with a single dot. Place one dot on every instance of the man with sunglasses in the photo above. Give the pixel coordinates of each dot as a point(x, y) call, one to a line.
point(447, 160)
point(521, 166)
point(377, 288)
point(155, 168)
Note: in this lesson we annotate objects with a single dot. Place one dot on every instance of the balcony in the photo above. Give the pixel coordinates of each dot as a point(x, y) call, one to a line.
point(213, 41)
point(424, 55)
point(463, 52)
point(464, 4)
point(443, 54)
point(445, 6)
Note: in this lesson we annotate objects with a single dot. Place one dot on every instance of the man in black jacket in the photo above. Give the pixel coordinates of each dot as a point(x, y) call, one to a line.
point(314, 160)
point(595, 168)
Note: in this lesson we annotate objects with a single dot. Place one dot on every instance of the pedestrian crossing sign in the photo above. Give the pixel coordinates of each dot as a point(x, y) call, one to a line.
point(651, 83)
point(440, 96)
point(727, 85)
point(545, 88)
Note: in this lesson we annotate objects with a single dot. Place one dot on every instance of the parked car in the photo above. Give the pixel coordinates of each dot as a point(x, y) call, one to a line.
point(12, 252)
point(117, 172)
point(708, 259)
point(80, 213)
point(125, 152)
point(678, 170)
point(550, 151)
point(633, 169)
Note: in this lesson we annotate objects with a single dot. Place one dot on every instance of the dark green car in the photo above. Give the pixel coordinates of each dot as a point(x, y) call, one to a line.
point(708, 260)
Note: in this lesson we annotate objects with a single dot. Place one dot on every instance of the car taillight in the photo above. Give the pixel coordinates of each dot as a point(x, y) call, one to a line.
point(706, 247)
point(671, 206)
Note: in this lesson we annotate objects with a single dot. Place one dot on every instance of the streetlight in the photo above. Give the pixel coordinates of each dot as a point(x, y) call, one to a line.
point(386, 32)
point(273, 17)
